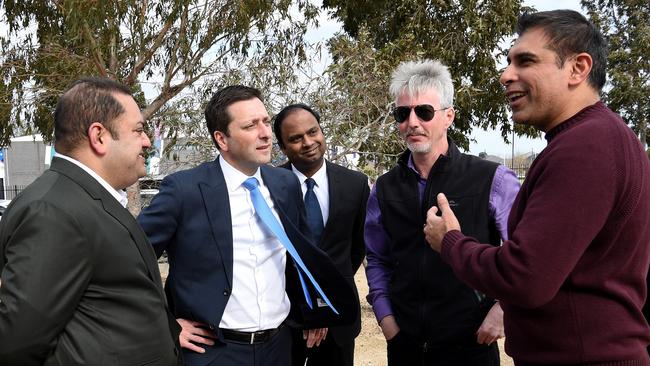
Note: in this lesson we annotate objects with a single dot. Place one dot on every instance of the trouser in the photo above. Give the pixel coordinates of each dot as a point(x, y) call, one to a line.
point(329, 353)
point(274, 352)
point(406, 350)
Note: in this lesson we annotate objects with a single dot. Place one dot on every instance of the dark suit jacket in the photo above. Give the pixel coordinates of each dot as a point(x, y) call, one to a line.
point(342, 237)
point(80, 283)
point(190, 219)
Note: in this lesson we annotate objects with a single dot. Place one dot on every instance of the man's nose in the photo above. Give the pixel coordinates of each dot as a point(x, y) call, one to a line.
point(507, 76)
point(264, 131)
point(146, 142)
point(413, 120)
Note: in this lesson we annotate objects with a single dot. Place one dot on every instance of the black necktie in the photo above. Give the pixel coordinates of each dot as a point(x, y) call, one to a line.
point(314, 214)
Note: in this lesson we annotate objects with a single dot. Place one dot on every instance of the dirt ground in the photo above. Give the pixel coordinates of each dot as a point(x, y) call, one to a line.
point(370, 345)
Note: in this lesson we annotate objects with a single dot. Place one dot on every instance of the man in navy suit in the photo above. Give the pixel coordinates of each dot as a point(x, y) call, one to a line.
point(342, 195)
point(232, 286)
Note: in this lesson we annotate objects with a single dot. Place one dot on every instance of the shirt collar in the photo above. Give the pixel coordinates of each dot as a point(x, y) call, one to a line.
point(233, 177)
point(320, 177)
point(120, 195)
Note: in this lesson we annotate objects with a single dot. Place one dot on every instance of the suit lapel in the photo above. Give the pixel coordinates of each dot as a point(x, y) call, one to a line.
point(278, 191)
point(217, 208)
point(334, 183)
point(113, 208)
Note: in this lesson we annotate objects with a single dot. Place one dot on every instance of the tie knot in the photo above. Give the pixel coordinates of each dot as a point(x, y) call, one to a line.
point(250, 183)
point(310, 183)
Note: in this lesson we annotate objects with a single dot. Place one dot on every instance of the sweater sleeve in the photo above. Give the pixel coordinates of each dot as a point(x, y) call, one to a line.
point(563, 207)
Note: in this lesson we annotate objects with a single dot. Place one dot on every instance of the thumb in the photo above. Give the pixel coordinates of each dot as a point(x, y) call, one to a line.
point(447, 214)
point(443, 205)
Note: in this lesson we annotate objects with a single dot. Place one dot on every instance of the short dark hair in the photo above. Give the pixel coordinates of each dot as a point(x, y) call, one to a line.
point(216, 113)
point(284, 113)
point(87, 100)
point(570, 33)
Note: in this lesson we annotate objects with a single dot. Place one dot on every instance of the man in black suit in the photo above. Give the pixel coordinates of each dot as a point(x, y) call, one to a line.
point(338, 220)
point(233, 283)
point(80, 282)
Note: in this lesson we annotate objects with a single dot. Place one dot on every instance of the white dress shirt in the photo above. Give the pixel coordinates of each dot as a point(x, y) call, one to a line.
point(258, 299)
point(120, 195)
point(321, 189)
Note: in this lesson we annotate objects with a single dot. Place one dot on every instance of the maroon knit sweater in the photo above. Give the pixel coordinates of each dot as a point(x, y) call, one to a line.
point(571, 279)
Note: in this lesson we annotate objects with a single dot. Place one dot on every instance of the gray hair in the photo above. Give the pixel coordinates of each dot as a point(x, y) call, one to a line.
point(417, 77)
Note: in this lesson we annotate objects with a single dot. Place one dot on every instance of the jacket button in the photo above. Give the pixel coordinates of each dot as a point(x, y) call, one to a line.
point(226, 292)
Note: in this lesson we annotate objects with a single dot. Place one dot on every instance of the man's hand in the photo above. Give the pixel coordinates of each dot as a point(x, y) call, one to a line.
point(314, 336)
point(389, 327)
point(492, 327)
point(195, 332)
point(437, 226)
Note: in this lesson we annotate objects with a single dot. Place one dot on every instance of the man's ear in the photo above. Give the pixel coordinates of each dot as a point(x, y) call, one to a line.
point(450, 114)
point(581, 65)
point(98, 138)
point(220, 138)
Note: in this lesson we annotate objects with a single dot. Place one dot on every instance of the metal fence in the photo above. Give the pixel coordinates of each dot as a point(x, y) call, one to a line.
point(10, 192)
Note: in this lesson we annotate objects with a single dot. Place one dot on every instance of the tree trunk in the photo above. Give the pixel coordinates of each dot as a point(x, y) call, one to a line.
point(133, 194)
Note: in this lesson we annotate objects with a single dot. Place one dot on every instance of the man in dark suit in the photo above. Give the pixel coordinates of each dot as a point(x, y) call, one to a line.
point(233, 282)
point(339, 217)
point(80, 282)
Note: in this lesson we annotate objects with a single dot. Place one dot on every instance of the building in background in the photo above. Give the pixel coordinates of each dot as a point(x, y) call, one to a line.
point(24, 160)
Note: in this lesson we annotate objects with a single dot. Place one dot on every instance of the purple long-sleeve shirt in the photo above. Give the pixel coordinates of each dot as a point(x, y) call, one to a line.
point(503, 191)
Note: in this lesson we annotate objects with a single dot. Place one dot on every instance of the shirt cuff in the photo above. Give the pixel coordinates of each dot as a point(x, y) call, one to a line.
point(382, 309)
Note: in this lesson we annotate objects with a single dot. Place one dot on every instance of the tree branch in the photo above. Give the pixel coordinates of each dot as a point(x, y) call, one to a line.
point(97, 57)
point(145, 57)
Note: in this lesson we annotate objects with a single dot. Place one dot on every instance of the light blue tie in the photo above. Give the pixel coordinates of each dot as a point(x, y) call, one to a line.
point(264, 213)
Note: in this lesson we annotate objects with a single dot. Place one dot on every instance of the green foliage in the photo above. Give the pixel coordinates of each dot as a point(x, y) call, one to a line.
point(164, 46)
point(626, 26)
point(466, 35)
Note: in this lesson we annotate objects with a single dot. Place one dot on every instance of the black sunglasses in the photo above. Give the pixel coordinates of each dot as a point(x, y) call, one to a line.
point(425, 112)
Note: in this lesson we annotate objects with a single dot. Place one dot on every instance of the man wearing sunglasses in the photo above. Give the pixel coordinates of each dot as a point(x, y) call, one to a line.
point(427, 315)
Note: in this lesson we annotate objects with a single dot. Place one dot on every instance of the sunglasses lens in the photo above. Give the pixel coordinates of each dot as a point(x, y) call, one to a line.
point(425, 112)
point(401, 114)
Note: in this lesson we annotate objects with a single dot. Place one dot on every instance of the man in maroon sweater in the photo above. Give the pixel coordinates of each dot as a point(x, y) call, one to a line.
point(571, 278)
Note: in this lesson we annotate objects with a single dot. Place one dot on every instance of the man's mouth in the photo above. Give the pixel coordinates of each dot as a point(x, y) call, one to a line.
point(514, 96)
point(415, 133)
point(311, 151)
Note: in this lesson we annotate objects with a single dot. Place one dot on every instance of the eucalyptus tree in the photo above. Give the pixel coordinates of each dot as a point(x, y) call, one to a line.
point(626, 26)
point(467, 35)
point(162, 49)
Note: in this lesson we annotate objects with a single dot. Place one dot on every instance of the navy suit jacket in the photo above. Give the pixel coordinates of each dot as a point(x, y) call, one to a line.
point(190, 219)
point(342, 237)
